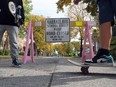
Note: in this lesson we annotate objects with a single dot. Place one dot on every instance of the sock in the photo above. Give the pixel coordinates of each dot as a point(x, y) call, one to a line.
point(104, 52)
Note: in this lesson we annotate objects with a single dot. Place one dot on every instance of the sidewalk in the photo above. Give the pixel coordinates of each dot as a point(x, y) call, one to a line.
point(54, 72)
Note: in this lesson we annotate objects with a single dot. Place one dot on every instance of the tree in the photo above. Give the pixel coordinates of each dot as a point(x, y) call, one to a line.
point(62, 49)
point(48, 49)
point(69, 49)
point(113, 43)
point(76, 46)
point(38, 32)
point(78, 13)
point(28, 8)
point(91, 5)
point(62, 3)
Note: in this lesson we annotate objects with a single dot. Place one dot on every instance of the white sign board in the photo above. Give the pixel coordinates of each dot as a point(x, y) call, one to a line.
point(92, 23)
point(57, 30)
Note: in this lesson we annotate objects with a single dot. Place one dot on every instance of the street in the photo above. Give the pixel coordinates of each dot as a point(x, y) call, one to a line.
point(54, 72)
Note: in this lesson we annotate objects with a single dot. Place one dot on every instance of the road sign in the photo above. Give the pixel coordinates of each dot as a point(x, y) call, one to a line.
point(79, 24)
point(57, 30)
point(92, 23)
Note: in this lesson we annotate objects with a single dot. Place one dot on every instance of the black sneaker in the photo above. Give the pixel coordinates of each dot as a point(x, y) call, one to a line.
point(16, 63)
point(101, 58)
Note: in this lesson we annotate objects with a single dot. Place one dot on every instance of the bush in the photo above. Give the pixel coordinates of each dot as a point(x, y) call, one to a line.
point(7, 52)
point(113, 47)
point(70, 54)
point(1, 51)
point(21, 53)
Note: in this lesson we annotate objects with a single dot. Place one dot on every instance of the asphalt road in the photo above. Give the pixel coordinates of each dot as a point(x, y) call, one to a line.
point(54, 72)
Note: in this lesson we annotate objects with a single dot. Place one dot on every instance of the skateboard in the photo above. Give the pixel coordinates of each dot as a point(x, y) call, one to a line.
point(85, 67)
point(15, 11)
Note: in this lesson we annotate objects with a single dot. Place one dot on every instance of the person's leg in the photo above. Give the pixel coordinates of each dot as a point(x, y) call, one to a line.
point(13, 39)
point(106, 19)
point(105, 35)
point(106, 29)
point(105, 40)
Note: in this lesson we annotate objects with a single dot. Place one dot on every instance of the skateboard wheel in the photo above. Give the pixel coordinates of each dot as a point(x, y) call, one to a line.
point(19, 6)
point(19, 17)
point(84, 70)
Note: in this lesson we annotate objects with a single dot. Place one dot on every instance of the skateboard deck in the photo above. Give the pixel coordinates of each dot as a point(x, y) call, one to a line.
point(93, 64)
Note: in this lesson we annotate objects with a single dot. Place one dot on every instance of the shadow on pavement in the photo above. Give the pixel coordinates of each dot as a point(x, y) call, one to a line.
point(25, 81)
point(63, 78)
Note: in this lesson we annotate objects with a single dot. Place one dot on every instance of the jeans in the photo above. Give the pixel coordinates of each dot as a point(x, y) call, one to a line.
point(13, 39)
